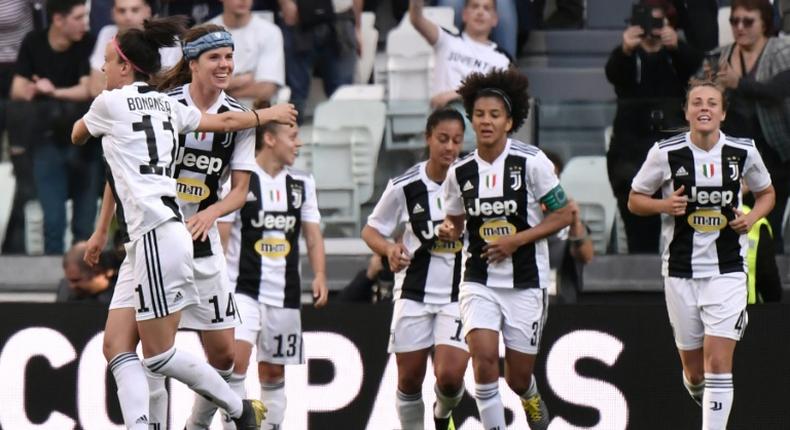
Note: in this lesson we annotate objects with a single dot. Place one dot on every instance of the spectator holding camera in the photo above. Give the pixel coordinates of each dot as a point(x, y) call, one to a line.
point(755, 69)
point(51, 71)
point(649, 71)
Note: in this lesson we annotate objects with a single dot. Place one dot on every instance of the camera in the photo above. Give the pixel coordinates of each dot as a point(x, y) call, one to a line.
point(642, 16)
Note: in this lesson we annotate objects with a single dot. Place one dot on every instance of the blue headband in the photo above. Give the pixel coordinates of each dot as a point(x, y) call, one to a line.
point(213, 40)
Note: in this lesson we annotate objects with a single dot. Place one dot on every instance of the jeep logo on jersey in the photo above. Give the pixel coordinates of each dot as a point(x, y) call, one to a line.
point(204, 163)
point(191, 190)
point(497, 207)
point(706, 221)
point(272, 247)
point(282, 222)
point(445, 247)
point(711, 197)
point(494, 229)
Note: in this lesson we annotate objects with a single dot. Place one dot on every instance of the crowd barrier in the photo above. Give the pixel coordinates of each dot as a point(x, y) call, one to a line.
point(604, 367)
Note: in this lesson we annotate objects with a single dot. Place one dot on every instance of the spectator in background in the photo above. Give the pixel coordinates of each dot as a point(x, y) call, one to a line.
point(258, 57)
point(763, 281)
point(649, 72)
point(82, 282)
point(52, 70)
point(16, 20)
point(756, 71)
point(699, 20)
point(570, 249)
point(506, 29)
point(371, 284)
point(126, 14)
point(323, 34)
point(198, 11)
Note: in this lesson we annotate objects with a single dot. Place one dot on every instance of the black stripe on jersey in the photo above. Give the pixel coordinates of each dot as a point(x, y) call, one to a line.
point(232, 102)
point(149, 270)
point(682, 244)
point(740, 141)
point(468, 180)
point(728, 246)
point(142, 89)
point(416, 194)
point(456, 276)
point(173, 92)
point(680, 138)
point(525, 267)
point(249, 279)
point(295, 196)
point(523, 147)
point(119, 214)
point(409, 174)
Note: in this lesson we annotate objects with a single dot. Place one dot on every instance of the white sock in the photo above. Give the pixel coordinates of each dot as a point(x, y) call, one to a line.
point(695, 391)
point(273, 397)
point(203, 409)
point(197, 375)
point(411, 411)
point(717, 401)
point(445, 404)
point(132, 389)
point(157, 401)
point(236, 383)
point(489, 404)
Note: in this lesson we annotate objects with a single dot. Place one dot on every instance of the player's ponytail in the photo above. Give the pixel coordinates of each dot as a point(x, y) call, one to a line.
point(140, 48)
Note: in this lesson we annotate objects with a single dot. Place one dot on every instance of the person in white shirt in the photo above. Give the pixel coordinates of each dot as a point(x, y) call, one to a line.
point(259, 56)
point(126, 14)
point(139, 127)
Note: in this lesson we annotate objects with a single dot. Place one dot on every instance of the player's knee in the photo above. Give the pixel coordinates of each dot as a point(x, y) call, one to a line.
point(518, 382)
point(222, 359)
point(112, 346)
point(717, 364)
point(409, 382)
point(270, 374)
point(449, 380)
point(486, 367)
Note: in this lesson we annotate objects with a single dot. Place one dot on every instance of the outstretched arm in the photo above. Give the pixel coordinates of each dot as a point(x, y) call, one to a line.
point(423, 25)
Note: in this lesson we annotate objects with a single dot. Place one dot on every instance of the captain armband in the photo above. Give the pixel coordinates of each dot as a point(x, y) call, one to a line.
point(555, 199)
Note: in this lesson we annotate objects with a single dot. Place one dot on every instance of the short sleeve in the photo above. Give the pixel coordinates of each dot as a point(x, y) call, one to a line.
point(188, 117)
point(243, 157)
point(653, 173)
point(541, 176)
point(271, 58)
point(442, 39)
point(387, 213)
point(98, 120)
point(453, 202)
point(223, 192)
point(309, 209)
point(755, 174)
point(24, 59)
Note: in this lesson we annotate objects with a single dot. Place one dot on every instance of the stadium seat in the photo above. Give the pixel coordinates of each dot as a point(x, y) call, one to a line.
point(7, 187)
point(585, 180)
point(370, 38)
point(725, 30)
point(359, 92)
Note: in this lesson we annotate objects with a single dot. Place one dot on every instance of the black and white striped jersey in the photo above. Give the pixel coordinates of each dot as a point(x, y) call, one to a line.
point(263, 249)
point(501, 199)
point(700, 244)
point(435, 269)
point(138, 126)
point(204, 161)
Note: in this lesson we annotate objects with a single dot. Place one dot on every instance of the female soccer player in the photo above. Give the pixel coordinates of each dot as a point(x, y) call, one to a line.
point(705, 236)
point(138, 126)
point(263, 264)
point(427, 274)
point(499, 190)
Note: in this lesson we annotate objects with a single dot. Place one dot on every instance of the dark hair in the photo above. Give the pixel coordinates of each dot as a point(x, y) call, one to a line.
point(141, 47)
point(555, 159)
point(508, 82)
point(696, 83)
point(62, 7)
point(667, 7)
point(269, 127)
point(180, 73)
point(441, 115)
point(766, 12)
point(466, 3)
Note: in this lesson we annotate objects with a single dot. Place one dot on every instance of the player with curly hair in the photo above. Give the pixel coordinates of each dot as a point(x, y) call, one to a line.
point(500, 191)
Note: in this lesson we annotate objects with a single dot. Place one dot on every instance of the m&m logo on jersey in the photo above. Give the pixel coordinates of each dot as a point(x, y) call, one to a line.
point(494, 229)
point(706, 221)
point(445, 247)
point(191, 190)
point(272, 247)
point(708, 170)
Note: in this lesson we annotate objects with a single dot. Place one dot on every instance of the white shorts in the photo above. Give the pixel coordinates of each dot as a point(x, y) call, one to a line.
point(519, 314)
point(276, 332)
point(156, 277)
point(714, 306)
point(416, 325)
point(217, 309)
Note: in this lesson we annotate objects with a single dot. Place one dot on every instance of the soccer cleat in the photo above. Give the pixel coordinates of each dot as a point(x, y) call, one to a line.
point(252, 414)
point(537, 413)
point(444, 423)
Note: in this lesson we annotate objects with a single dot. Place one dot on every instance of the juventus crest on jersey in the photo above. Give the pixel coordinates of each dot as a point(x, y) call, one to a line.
point(263, 250)
point(700, 243)
point(204, 161)
point(139, 127)
point(501, 199)
point(435, 269)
